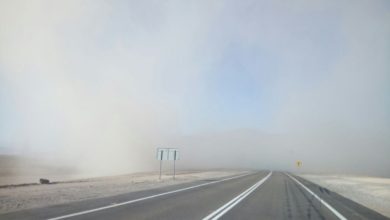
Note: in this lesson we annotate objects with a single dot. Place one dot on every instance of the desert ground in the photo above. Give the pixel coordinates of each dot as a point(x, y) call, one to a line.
point(16, 170)
point(19, 197)
point(372, 192)
point(20, 188)
point(16, 198)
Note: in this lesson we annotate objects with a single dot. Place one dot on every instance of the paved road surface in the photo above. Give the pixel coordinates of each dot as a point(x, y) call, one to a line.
point(260, 195)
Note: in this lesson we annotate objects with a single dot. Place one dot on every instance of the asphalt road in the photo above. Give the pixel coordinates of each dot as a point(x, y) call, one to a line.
point(261, 195)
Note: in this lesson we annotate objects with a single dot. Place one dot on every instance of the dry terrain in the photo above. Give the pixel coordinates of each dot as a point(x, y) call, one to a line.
point(14, 198)
point(372, 192)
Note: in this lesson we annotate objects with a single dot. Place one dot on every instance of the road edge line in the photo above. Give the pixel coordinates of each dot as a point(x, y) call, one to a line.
point(333, 210)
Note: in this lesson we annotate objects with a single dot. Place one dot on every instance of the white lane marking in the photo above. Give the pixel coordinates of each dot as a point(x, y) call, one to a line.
point(145, 198)
point(229, 205)
point(338, 214)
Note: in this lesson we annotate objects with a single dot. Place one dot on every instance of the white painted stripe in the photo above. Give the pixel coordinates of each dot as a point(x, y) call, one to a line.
point(144, 198)
point(229, 205)
point(333, 210)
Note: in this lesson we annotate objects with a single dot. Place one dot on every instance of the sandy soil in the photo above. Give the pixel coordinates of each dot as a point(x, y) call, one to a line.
point(16, 169)
point(369, 191)
point(33, 196)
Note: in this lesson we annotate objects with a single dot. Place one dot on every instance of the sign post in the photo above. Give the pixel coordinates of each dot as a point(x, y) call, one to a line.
point(168, 154)
point(298, 164)
point(174, 165)
point(162, 152)
point(160, 170)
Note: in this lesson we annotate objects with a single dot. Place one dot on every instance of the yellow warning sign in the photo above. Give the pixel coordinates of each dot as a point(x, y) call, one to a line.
point(299, 163)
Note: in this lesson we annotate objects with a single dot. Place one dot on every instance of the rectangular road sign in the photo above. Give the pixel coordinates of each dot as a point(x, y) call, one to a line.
point(173, 154)
point(167, 154)
point(162, 154)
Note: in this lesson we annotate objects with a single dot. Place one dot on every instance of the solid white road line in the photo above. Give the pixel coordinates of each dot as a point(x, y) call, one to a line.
point(229, 205)
point(145, 198)
point(333, 210)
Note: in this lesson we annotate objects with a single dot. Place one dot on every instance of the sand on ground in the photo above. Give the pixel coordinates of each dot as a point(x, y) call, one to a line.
point(372, 192)
point(15, 198)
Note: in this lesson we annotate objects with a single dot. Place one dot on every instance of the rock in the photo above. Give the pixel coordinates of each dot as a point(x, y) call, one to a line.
point(44, 181)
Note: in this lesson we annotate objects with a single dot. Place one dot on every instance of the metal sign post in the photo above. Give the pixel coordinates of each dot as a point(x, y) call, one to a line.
point(167, 154)
point(174, 165)
point(162, 152)
point(298, 164)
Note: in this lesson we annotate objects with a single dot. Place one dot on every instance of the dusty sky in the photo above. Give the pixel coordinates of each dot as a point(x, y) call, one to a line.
point(257, 84)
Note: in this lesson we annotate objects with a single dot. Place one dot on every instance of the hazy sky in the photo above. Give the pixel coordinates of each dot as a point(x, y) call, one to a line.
point(256, 84)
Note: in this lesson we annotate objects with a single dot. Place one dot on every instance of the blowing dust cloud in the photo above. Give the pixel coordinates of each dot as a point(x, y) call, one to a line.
point(97, 86)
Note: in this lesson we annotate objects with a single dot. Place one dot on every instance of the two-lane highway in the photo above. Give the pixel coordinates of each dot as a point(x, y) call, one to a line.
point(280, 198)
point(260, 195)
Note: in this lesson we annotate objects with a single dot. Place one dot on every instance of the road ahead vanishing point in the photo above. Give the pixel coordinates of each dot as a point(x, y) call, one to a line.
point(260, 195)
